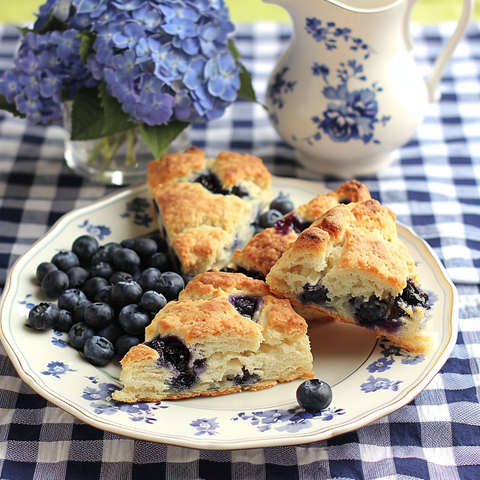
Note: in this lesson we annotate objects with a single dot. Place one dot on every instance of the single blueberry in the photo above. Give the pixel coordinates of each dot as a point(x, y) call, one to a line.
point(169, 284)
point(102, 269)
point(317, 294)
point(43, 269)
point(79, 334)
point(79, 310)
point(104, 295)
point(105, 253)
point(65, 260)
point(77, 276)
point(126, 260)
point(55, 283)
point(161, 261)
point(43, 316)
point(211, 182)
point(124, 343)
point(145, 248)
point(93, 285)
point(65, 321)
point(246, 378)
point(120, 277)
point(133, 319)
point(69, 299)
point(292, 220)
point(99, 315)
point(148, 278)
point(412, 295)
point(153, 301)
point(314, 395)
point(282, 203)
point(246, 305)
point(126, 293)
point(127, 243)
point(175, 352)
point(183, 381)
point(98, 350)
point(270, 218)
point(84, 248)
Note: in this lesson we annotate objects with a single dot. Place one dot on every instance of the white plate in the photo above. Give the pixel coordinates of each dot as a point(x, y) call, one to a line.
point(370, 378)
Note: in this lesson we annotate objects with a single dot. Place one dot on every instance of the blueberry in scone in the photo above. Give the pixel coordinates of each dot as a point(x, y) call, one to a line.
point(351, 266)
point(267, 246)
point(207, 207)
point(226, 333)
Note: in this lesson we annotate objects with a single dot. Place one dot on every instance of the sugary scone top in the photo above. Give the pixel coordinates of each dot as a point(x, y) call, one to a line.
point(204, 310)
point(352, 248)
point(348, 192)
point(230, 167)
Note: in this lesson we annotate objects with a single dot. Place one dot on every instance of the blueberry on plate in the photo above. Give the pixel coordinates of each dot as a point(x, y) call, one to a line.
point(65, 321)
point(124, 343)
point(282, 203)
point(79, 334)
point(77, 276)
point(69, 299)
point(84, 247)
point(111, 332)
point(104, 295)
point(120, 277)
point(270, 218)
point(43, 316)
point(43, 268)
point(169, 284)
point(98, 350)
point(314, 395)
point(148, 278)
point(99, 315)
point(65, 260)
point(145, 248)
point(102, 269)
point(133, 319)
point(55, 283)
point(126, 260)
point(153, 301)
point(127, 243)
point(160, 261)
point(79, 310)
point(126, 293)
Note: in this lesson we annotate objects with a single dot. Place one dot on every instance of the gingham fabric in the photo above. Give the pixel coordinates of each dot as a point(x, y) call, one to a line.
point(433, 186)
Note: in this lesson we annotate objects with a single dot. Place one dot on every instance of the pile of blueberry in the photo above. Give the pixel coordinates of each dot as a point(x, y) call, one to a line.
point(106, 295)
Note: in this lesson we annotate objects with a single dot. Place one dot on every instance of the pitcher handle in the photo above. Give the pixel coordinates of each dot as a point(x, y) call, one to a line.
point(446, 53)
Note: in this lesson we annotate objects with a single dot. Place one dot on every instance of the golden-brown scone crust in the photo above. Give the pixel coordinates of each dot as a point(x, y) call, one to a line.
point(265, 248)
point(348, 192)
point(273, 343)
point(233, 168)
point(172, 166)
point(189, 205)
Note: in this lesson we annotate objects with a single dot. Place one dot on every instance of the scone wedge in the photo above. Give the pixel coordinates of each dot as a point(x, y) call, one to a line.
point(206, 207)
point(351, 266)
point(225, 334)
point(266, 247)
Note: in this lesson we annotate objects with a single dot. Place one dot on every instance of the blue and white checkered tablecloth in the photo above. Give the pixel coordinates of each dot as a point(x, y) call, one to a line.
point(433, 186)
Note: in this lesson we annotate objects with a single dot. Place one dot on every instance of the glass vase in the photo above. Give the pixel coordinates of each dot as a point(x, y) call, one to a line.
point(119, 159)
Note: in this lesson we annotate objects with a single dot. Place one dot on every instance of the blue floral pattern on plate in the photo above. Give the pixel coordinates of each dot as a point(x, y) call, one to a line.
point(205, 426)
point(56, 369)
point(138, 209)
point(290, 421)
point(99, 231)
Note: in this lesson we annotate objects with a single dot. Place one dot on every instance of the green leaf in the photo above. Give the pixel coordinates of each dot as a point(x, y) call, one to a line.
point(10, 107)
point(233, 49)
point(53, 23)
point(159, 137)
point(246, 90)
point(115, 119)
point(87, 115)
point(86, 47)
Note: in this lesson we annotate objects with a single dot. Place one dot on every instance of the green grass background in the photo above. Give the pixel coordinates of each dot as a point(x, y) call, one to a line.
point(426, 11)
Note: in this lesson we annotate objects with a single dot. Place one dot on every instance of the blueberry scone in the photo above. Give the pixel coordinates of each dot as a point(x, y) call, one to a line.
point(267, 246)
point(206, 207)
point(226, 333)
point(351, 266)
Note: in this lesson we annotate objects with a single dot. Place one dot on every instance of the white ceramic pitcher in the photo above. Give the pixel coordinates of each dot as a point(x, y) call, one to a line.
point(347, 91)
